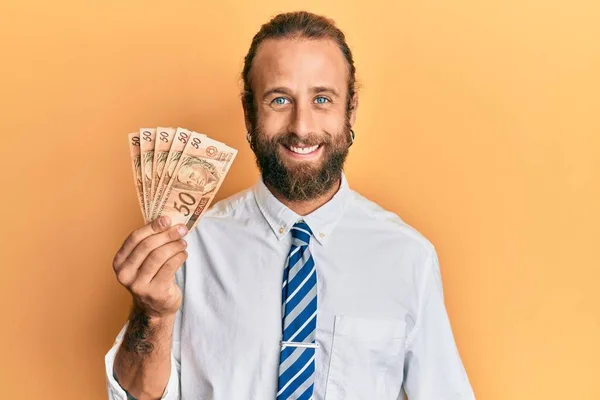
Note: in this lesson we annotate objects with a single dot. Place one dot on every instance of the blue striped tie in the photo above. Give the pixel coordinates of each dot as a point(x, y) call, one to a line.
point(299, 310)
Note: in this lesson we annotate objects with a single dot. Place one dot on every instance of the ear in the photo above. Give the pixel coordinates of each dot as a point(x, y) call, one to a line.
point(353, 108)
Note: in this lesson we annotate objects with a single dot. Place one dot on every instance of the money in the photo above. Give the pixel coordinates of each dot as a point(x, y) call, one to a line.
point(196, 179)
point(164, 140)
point(147, 136)
point(179, 142)
point(136, 167)
point(177, 172)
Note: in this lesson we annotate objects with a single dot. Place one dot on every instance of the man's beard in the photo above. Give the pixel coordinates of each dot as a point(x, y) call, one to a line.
point(303, 180)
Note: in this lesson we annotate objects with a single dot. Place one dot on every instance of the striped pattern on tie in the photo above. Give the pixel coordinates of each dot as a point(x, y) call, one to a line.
point(299, 310)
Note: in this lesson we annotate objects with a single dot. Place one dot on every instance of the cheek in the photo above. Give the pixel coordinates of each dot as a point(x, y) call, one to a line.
point(271, 122)
point(333, 123)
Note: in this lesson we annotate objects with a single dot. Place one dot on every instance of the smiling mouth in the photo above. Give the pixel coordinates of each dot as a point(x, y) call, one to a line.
point(303, 150)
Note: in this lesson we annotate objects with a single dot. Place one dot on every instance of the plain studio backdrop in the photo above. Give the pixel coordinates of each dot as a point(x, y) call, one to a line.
point(478, 125)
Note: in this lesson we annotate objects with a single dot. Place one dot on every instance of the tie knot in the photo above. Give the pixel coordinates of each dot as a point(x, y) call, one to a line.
point(301, 232)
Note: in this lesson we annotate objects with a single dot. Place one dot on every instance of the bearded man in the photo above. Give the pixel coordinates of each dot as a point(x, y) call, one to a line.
point(299, 287)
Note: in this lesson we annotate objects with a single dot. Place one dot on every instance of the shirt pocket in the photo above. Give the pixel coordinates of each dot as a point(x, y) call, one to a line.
point(367, 358)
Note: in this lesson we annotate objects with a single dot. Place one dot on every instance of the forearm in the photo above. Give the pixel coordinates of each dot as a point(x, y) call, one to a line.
point(143, 363)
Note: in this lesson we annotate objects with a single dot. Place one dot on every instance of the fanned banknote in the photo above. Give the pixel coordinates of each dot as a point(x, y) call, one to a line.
point(177, 172)
point(164, 140)
point(136, 167)
point(180, 140)
point(196, 179)
point(147, 136)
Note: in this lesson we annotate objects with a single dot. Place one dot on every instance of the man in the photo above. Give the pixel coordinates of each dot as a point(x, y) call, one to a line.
point(297, 288)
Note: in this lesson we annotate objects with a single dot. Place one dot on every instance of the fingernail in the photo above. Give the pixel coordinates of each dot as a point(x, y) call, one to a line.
point(164, 221)
point(182, 229)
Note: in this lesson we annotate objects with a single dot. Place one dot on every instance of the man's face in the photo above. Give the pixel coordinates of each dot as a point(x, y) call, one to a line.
point(302, 135)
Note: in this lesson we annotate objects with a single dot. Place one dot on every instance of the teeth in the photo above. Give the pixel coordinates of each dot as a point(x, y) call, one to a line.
point(303, 150)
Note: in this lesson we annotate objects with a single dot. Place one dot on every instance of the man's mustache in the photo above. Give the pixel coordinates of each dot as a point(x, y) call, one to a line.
point(312, 139)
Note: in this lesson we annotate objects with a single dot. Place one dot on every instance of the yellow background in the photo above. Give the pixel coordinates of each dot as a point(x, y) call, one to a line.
point(478, 124)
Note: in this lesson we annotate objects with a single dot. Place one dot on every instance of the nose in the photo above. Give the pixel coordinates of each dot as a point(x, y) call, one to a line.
point(302, 121)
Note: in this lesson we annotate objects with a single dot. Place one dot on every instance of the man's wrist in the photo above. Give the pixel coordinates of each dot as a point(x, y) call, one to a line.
point(145, 330)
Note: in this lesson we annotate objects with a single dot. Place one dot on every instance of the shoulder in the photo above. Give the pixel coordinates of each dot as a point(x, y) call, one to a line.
point(229, 206)
point(371, 214)
point(405, 241)
point(225, 215)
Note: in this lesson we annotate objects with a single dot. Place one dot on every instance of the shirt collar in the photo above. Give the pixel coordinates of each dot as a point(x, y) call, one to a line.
point(322, 221)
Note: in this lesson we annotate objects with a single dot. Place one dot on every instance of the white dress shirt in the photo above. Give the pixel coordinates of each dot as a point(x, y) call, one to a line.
point(382, 326)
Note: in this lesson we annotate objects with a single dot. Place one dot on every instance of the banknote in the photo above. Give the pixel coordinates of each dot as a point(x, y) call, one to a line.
point(177, 172)
point(196, 178)
point(180, 140)
point(147, 139)
point(136, 167)
point(163, 142)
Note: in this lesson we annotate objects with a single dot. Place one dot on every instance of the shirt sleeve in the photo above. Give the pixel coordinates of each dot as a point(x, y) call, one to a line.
point(433, 369)
point(173, 389)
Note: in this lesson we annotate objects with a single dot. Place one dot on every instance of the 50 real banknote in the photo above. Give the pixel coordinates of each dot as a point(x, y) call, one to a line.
point(177, 172)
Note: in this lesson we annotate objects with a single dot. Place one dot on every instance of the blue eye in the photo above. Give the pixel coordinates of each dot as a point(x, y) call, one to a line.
point(280, 101)
point(321, 100)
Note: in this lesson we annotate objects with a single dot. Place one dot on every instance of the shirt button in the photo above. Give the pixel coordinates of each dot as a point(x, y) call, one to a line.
point(322, 234)
point(281, 230)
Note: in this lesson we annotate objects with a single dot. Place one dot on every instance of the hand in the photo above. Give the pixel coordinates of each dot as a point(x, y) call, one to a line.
point(146, 264)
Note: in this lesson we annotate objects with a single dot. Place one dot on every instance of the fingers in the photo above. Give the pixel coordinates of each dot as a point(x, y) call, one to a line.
point(146, 246)
point(128, 270)
point(167, 271)
point(157, 258)
point(158, 225)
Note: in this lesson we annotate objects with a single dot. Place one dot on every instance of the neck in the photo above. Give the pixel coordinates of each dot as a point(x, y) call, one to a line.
point(307, 206)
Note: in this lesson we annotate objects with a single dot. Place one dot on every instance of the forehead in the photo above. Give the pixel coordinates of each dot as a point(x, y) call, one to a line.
point(299, 63)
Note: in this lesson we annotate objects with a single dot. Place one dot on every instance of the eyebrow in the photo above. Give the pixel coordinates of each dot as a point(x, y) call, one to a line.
point(276, 90)
point(313, 90)
point(325, 89)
